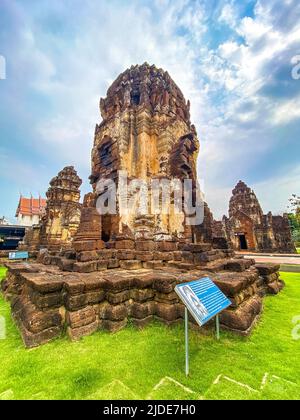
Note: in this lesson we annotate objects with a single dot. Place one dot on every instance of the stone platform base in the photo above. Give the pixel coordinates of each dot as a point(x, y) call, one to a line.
point(47, 302)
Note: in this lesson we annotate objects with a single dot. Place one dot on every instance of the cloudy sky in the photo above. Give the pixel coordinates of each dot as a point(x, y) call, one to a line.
point(233, 59)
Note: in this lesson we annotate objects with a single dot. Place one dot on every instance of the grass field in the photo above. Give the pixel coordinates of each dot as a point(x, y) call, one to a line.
point(130, 363)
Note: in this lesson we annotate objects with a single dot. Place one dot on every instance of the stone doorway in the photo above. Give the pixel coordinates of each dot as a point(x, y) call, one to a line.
point(243, 242)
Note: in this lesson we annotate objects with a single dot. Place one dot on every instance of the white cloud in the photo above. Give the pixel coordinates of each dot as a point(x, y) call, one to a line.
point(228, 15)
point(274, 193)
point(286, 112)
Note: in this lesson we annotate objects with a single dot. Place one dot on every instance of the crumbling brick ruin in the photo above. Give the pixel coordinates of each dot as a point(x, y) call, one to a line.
point(125, 265)
point(60, 221)
point(247, 228)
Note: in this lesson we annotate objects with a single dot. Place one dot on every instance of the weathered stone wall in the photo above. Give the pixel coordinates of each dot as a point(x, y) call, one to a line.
point(134, 254)
point(47, 302)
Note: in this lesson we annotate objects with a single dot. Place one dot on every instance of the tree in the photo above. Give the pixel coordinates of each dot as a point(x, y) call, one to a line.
point(295, 206)
point(294, 218)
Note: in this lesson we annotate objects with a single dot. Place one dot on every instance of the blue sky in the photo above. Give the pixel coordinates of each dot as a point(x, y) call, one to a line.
point(232, 59)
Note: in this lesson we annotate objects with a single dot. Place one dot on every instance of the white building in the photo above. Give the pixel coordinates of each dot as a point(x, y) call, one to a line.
point(30, 210)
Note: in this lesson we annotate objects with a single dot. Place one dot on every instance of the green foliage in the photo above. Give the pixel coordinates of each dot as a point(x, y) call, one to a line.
point(130, 363)
point(295, 227)
point(295, 206)
point(2, 272)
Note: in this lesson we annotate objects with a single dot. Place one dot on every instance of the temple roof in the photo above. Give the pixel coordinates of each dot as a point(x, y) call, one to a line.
point(241, 187)
point(31, 206)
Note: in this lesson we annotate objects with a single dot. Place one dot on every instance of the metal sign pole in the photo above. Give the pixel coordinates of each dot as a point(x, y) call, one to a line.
point(204, 301)
point(186, 317)
point(218, 327)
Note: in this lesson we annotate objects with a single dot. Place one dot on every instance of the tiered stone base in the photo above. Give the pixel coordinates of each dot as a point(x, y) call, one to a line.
point(132, 255)
point(47, 303)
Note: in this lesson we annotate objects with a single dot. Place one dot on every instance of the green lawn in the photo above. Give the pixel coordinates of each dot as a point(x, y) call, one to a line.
point(298, 250)
point(130, 363)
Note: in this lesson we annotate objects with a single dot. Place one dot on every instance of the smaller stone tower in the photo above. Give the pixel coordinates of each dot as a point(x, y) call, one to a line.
point(62, 214)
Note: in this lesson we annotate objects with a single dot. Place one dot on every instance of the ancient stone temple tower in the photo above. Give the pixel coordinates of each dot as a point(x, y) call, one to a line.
point(247, 228)
point(146, 133)
point(244, 200)
point(61, 219)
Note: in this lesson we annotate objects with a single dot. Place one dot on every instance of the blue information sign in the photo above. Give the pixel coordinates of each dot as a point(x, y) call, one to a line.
point(203, 299)
point(18, 255)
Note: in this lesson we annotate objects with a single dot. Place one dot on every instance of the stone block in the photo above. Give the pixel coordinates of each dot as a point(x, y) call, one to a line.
point(81, 318)
point(86, 256)
point(163, 256)
point(141, 295)
point(153, 265)
point(85, 267)
point(76, 333)
point(125, 255)
point(187, 257)
point(73, 285)
point(102, 265)
point(164, 284)
point(115, 312)
point(42, 282)
point(83, 246)
point(271, 278)
point(144, 245)
point(266, 269)
point(66, 264)
point(144, 256)
point(113, 263)
point(242, 319)
point(95, 297)
point(117, 281)
point(166, 246)
point(93, 281)
point(35, 320)
point(48, 300)
point(142, 310)
point(166, 311)
point(106, 254)
point(125, 244)
point(233, 283)
point(177, 256)
point(130, 264)
point(36, 339)
point(166, 297)
point(75, 302)
point(114, 326)
point(239, 265)
point(116, 298)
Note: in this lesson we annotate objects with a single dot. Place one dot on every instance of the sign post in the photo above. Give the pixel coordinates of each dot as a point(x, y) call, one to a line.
point(186, 318)
point(218, 327)
point(204, 300)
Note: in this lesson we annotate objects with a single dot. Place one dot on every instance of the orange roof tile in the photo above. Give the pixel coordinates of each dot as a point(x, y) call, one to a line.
point(31, 206)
